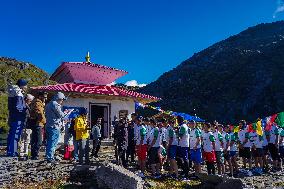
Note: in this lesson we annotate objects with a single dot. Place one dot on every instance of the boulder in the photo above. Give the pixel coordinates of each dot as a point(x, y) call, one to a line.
point(212, 179)
point(114, 176)
point(231, 184)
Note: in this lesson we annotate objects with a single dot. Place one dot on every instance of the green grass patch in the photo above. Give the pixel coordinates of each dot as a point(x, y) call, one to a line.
point(174, 184)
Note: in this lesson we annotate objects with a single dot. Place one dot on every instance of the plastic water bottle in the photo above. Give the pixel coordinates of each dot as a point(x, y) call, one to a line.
point(29, 151)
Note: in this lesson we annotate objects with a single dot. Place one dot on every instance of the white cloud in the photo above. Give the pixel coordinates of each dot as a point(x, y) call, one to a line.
point(112, 83)
point(279, 9)
point(134, 83)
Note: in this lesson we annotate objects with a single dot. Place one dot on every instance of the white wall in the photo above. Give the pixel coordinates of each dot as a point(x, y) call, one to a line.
point(116, 105)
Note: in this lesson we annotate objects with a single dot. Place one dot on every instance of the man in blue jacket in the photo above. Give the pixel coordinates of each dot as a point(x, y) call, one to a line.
point(17, 115)
point(54, 122)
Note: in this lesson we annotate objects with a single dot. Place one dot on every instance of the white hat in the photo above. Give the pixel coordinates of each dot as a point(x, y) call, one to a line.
point(30, 97)
point(60, 96)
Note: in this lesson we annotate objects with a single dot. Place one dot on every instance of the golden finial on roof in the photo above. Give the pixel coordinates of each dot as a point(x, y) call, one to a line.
point(88, 57)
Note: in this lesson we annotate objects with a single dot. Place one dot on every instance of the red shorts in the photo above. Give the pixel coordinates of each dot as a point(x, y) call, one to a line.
point(142, 152)
point(209, 157)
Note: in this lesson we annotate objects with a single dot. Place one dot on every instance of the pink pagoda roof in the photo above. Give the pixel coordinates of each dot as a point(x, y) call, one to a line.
point(86, 73)
point(97, 90)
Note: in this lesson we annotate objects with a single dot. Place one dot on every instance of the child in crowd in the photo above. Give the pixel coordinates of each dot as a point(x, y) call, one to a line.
point(208, 140)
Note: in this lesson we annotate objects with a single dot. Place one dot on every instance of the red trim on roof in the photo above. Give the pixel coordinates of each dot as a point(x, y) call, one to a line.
point(95, 89)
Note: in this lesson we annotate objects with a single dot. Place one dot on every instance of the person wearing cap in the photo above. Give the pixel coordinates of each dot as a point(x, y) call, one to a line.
point(26, 135)
point(54, 122)
point(37, 122)
point(17, 115)
point(82, 136)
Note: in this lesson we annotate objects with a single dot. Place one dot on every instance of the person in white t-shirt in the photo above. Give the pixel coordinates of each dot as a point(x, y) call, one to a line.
point(273, 139)
point(244, 145)
point(234, 151)
point(195, 146)
point(208, 141)
point(155, 141)
point(164, 132)
point(281, 146)
point(226, 150)
point(257, 149)
point(172, 142)
point(148, 128)
point(141, 145)
point(265, 152)
point(231, 149)
point(183, 145)
point(219, 146)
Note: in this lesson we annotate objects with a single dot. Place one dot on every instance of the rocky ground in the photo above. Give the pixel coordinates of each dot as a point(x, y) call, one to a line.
point(34, 174)
point(15, 173)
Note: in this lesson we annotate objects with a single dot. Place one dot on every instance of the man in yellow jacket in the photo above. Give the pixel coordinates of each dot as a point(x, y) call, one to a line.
point(82, 136)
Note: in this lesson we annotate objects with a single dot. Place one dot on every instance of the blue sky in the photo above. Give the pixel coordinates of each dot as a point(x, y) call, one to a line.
point(144, 37)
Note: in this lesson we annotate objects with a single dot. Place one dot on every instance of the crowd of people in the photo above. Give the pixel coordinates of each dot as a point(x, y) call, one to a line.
point(171, 144)
point(186, 145)
point(33, 123)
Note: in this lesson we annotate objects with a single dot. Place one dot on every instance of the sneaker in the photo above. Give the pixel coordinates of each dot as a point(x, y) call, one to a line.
point(184, 179)
point(23, 158)
point(230, 175)
point(157, 176)
point(87, 163)
point(57, 158)
point(273, 170)
point(140, 174)
point(52, 162)
point(249, 173)
point(174, 177)
point(34, 158)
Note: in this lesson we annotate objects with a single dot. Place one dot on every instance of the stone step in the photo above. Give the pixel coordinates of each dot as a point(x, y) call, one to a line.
point(107, 142)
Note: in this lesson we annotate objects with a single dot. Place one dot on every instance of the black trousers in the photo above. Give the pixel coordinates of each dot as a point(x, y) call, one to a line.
point(210, 168)
point(130, 152)
point(96, 147)
point(36, 140)
point(122, 156)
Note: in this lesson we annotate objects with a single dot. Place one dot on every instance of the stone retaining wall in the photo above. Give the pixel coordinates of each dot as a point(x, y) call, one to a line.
point(116, 177)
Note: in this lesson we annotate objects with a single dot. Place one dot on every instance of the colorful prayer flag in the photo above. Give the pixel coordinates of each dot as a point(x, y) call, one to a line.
point(270, 121)
point(280, 119)
point(259, 130)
